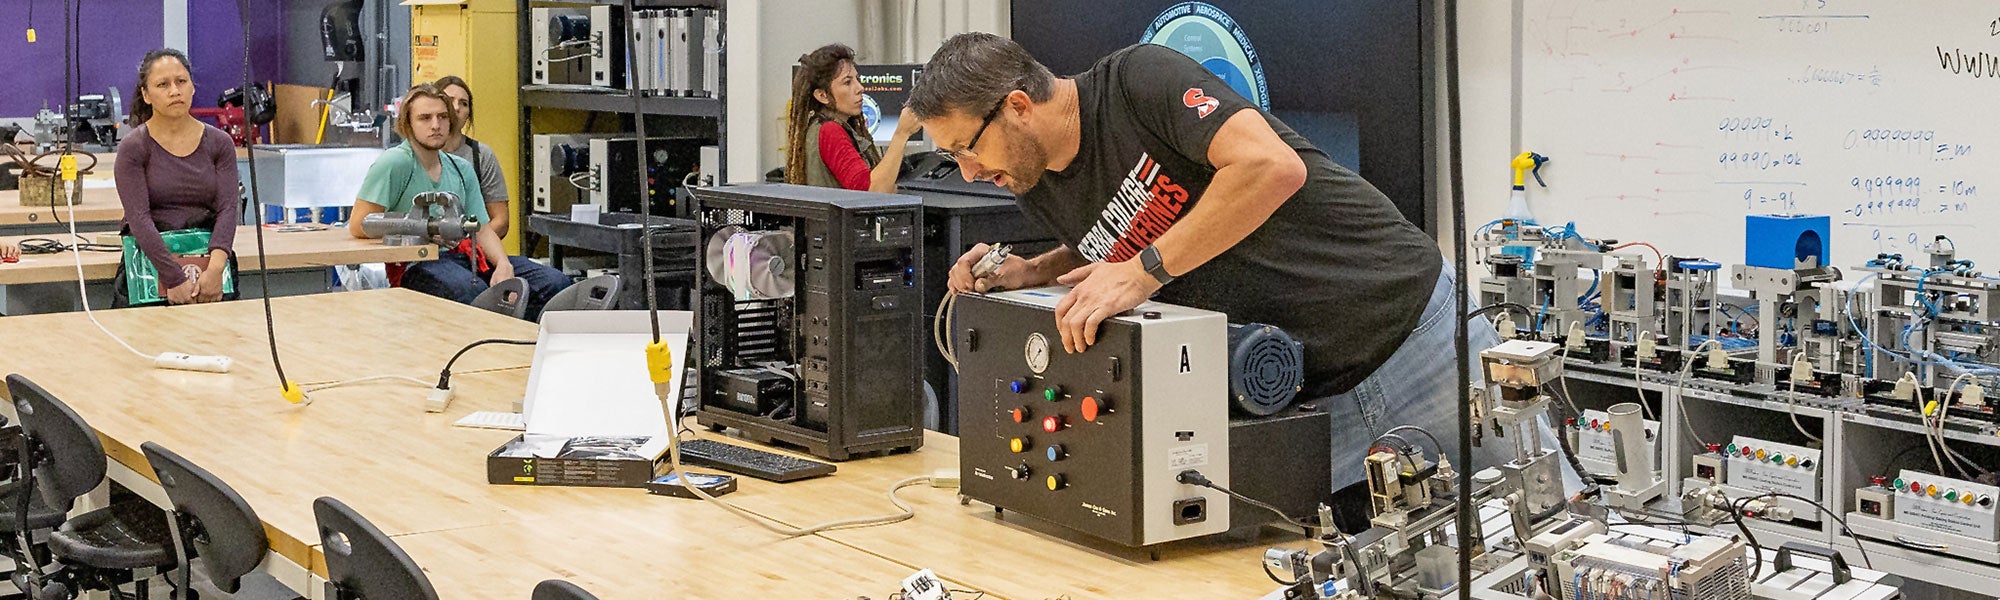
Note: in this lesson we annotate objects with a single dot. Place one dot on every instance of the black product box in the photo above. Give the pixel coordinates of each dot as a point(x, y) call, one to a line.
point(585, 461)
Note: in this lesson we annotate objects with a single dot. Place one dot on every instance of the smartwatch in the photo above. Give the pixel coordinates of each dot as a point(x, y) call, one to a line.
point(1150, 259)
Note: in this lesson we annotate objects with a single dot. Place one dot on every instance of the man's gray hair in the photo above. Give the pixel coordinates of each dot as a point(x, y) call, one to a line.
point(972, 71)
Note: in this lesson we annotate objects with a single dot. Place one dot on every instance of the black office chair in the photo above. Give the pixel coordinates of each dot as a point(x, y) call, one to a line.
point(41, 518)
point(557, 589)
point(508, 297)
point(61, 460)
point(362, 563)
point(596, 293)
point(217, 528)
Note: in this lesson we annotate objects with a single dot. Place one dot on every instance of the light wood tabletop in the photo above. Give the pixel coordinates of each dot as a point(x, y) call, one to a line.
point(99, 205)
point(286, 250)
point(1013, 556)
point(675, 548)
point(422, 480)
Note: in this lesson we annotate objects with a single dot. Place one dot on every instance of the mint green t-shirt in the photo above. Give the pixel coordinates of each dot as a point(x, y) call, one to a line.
point(396, 178)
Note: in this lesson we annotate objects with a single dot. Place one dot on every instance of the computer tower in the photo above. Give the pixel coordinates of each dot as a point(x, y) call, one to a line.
point(820, 286)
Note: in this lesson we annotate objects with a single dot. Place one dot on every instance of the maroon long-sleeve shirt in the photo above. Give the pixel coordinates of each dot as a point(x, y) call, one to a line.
point(163, 192)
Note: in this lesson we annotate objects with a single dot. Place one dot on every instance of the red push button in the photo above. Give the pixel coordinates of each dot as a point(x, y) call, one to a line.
point(1094, 408)
point(1053, 423)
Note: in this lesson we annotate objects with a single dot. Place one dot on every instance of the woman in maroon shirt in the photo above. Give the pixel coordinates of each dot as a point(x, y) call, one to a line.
point(175, 173)
point(828, 140)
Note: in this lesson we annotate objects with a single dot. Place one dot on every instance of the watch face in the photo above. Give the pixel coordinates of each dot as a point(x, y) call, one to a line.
point(1037, 353)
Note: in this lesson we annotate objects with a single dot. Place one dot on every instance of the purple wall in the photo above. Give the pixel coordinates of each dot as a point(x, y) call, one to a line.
point(215, 37)
point(117, 33)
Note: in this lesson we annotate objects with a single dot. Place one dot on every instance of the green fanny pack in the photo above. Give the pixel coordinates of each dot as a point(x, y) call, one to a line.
point(190, 249)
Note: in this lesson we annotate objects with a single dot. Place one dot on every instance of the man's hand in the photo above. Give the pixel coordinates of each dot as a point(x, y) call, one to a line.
point(1014, 273)
point(208, 287)
point(8, 250)
point(1099, 291)
point(183, 293)
point(502, 270)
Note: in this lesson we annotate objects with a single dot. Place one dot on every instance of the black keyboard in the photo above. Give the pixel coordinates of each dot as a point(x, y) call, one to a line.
point(750, 461)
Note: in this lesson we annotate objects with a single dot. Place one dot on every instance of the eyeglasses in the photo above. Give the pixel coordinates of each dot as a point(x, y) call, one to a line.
point(957, 155)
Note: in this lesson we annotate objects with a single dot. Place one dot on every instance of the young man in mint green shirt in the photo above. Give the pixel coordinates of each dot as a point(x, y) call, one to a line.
point(418, 166)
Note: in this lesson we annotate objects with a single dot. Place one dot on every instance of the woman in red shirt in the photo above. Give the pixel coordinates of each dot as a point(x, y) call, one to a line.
point(828, 140)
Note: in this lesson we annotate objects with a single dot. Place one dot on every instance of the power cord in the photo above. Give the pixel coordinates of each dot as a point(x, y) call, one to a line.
point(68, 176)
point(444, 376)
point(774, 526)
point(1195, 478)
point(50, 246)
point(1736, 515)
point(1680, 387)
point(441, 391)
point(1498, 307)
point(290, 391)
point(941, 324)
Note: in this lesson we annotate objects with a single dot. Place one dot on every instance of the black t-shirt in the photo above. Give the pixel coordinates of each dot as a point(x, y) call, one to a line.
point(1337, 265)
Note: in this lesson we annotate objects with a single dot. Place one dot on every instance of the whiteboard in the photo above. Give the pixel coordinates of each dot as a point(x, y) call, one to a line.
point(1669, 121)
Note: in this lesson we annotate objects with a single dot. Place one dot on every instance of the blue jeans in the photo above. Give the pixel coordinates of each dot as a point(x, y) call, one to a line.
point(1417, 386)
point(451, 277)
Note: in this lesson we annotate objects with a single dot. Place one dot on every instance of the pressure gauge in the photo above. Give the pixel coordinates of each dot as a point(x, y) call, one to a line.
point(1037, 353)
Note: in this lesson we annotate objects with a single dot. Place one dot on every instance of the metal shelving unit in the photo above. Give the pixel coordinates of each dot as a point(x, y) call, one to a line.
point(617, 101)
point(1842, 422)
point(685, 115)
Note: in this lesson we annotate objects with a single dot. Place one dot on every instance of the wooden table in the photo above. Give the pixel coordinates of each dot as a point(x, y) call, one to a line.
point(290, 250)
point(422, 480)
point(100, 207)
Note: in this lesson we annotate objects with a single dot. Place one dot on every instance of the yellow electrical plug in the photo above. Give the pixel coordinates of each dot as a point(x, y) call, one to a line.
point(31, 35)
point(68, 164)
point(660, 362)
point(292, 393)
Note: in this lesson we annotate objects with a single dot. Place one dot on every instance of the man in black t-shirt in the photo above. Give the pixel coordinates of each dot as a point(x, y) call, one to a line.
point(1160, 179)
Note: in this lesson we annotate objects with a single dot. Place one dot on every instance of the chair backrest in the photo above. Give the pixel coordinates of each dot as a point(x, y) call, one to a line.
point(226, 533)
point(71, 460)
point(508, 297)
point(557, 589)
point(365, 562)
point(596, 293)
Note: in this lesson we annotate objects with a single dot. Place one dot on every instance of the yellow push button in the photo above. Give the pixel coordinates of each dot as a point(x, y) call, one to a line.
point(1018, 445)
point(1057, 482)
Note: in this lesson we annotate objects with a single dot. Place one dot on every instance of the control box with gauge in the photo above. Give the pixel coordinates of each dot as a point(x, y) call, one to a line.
point(557, 158)
point(1097, 441)
point(578, 46)
point(809, 317)
point(1931, 512)
point(1750, 467)
point(602, 170)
